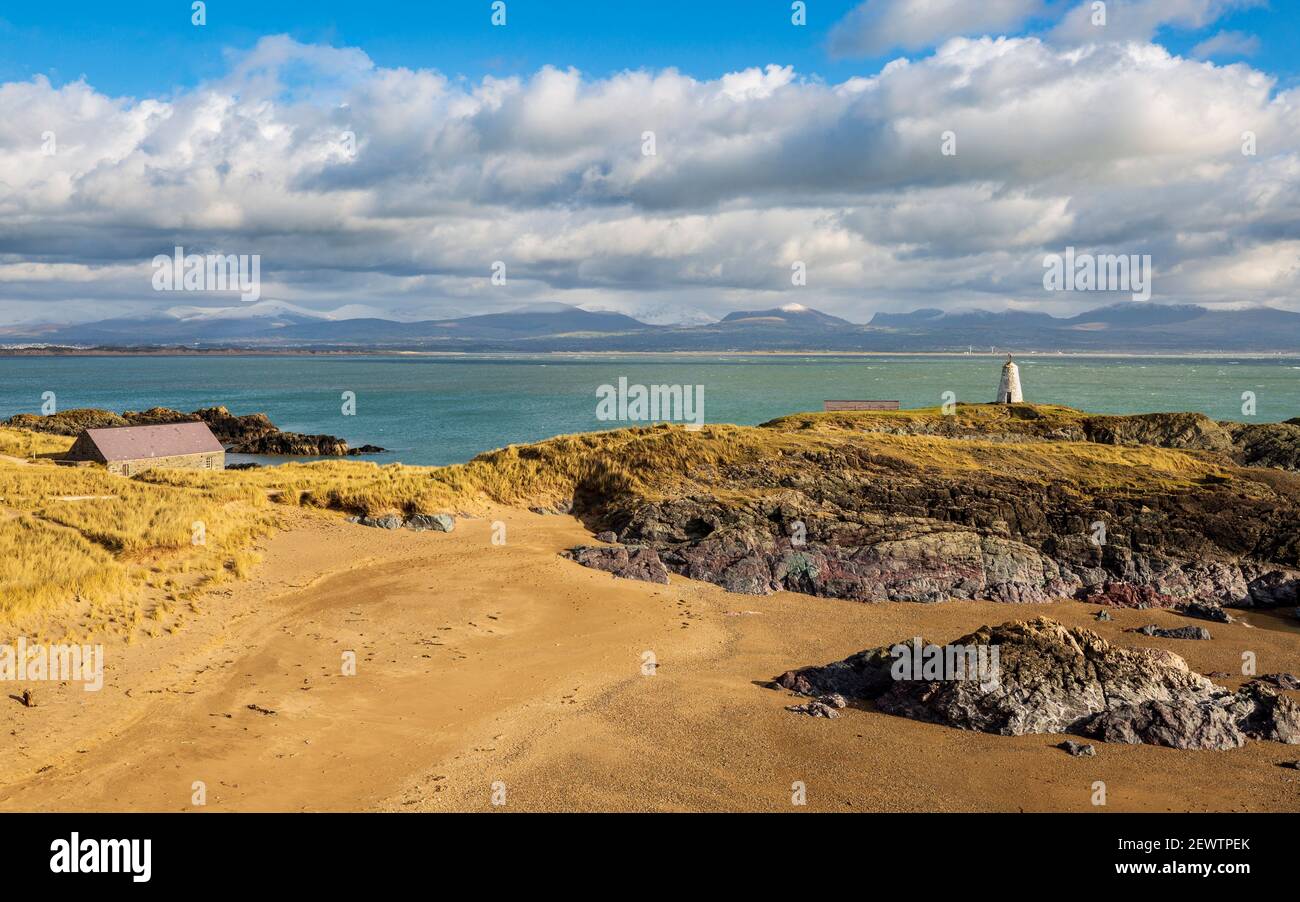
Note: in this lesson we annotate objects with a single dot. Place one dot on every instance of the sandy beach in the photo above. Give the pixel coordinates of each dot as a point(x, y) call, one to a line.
point(507, 673)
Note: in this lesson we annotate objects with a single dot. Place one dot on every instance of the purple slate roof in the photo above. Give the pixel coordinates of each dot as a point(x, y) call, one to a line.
point(136, 442)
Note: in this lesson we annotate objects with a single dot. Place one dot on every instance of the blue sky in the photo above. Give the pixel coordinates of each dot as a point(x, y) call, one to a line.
point(381, 158)
point(149, 47)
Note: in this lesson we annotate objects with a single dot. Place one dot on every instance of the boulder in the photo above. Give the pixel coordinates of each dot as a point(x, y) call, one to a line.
point(1054, 679)
point(383, 521)
point(1206, 611)
point(1181, 632)
point(427, 522)
point(623, 561)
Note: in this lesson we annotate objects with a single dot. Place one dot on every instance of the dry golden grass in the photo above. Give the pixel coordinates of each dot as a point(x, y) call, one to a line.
point(25, 443)
point(79, 532)
point(42, 564)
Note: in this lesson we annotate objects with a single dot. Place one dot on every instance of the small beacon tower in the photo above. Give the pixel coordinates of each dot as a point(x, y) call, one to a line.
point(1009, 387)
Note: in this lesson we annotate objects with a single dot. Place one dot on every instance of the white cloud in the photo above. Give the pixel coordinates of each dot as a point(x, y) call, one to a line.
point(1227, 43)
point(878, 26)
point(1139, 20)
point(1111, 146)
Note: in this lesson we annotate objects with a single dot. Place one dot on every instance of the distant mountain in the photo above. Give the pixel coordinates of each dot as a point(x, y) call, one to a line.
point(183, 325)
point(528, 322)
point(1127, 327)
point(897, 320)
point(791, 316)
point(277, 324)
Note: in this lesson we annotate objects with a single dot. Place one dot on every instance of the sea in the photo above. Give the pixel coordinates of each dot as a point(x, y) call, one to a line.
point(434, 410)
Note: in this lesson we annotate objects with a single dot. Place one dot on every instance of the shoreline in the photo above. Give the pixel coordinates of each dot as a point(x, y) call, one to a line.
point(614, 355)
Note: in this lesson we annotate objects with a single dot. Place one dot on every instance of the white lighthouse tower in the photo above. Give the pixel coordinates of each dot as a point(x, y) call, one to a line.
point(1009, 387)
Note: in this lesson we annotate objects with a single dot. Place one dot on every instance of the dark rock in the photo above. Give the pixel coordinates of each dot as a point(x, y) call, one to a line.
point(866, 520)
point(28, 699)
point(865, 675)
point(1279, 680)
point(290, 444)
point(1294, 765)
point(1103, 615)
point(1053, 679)
point(1276, 588)
point(1180, 632)
point(818, 708)
point(1127, 595)
point(559, 507)
point(1206, 611)
point(608, 536)
point(625, 561)
point(252, 433)
point(882, 536)
point(1265, 713)
point(384, 521)
point(1078, 749)
point(1049, 679)
point(368, 449)
point(435, 522)
point(1181, 724)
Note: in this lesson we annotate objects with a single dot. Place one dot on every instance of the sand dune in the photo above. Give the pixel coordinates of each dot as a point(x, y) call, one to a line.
point(483, 667)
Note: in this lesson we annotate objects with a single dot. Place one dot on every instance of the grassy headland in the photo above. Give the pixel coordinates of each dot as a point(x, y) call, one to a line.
point(77, 533)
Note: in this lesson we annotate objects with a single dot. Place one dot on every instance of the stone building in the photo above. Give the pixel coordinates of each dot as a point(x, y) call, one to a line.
point(128, 450)
point(1009, 387)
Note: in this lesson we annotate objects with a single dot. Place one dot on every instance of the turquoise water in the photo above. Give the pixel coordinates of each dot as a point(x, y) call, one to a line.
point(445, 410)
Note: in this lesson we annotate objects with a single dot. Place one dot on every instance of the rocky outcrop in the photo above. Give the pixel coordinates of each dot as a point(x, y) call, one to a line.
point(1274, 445)
point(67, 422)
point(911, 541)
point(625, 562)
point(250, 433)
point(845, 513)
point(1052, 679)
point(1125, 595)
point(415, 522)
